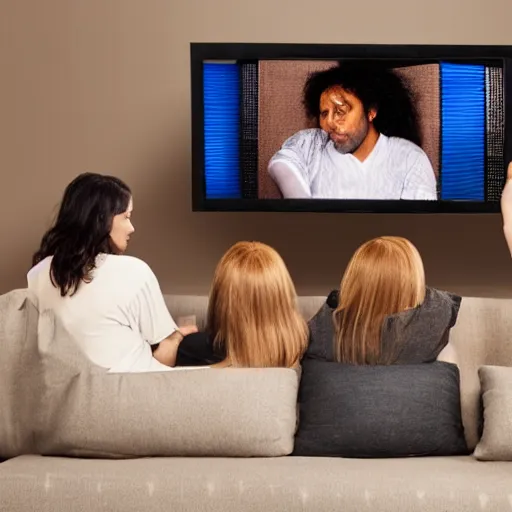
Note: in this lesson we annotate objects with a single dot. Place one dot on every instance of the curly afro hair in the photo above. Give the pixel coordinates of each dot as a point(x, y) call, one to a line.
point(377, 87)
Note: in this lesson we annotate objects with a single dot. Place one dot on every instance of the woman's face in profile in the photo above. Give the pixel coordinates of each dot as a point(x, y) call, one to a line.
point(122, 228)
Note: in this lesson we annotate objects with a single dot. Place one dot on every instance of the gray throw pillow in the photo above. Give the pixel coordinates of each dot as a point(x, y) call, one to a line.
point(496, 440)
point(379, 411)
point(87, 412)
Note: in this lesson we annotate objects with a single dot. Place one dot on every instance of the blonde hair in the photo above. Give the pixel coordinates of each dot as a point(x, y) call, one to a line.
point(253, 311)
point(384, 276)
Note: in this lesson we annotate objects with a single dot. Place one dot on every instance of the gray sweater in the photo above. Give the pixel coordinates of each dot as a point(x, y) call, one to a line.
point(414, 336)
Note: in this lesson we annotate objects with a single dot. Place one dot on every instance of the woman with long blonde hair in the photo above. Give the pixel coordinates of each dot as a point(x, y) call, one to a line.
point(109, 302)
point(383, 312)
point(253, 319)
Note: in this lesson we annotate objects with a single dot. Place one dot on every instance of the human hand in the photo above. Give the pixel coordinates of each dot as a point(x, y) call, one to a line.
point(506, 208)
point(506, 195)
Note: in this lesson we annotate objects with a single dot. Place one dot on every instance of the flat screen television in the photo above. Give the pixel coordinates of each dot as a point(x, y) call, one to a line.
point(350, 128)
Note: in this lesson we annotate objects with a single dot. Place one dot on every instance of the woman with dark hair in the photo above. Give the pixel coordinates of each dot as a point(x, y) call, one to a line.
point(110, 303)
point(366, 144)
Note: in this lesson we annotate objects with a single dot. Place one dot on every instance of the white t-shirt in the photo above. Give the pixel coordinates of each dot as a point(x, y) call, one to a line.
point(114, 318)
point(395, 169)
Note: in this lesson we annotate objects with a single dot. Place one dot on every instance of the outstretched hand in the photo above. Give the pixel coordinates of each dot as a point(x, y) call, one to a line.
point(506, 208)
point(507, 189)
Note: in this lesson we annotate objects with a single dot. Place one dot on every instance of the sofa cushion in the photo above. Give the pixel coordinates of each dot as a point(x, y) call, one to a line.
point(18, 372)
point(379, 411)
point(316, 484)
point(194, 412)
point(496, 440)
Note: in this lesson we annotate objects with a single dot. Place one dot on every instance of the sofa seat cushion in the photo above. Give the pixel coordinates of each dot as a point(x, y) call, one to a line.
point(429, 484)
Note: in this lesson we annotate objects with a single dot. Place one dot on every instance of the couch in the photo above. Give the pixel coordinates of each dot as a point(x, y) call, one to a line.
point(463, 483)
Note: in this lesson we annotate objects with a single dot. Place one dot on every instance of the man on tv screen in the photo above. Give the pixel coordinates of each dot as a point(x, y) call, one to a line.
point(366, 144)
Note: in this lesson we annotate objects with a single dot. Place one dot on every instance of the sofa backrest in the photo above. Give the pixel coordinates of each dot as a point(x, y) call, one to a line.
point(19, 375)
point(54, 401)
point(182, 306)
point(481, 336)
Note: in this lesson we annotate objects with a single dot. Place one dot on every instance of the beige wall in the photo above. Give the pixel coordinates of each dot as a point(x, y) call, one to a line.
point(103, 85)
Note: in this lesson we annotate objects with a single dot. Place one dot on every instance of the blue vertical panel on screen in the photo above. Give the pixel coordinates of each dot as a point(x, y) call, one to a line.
point(221, 130)
point(463, 132)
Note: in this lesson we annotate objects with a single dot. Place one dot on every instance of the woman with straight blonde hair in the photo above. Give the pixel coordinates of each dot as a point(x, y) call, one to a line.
point(383, 312)
point(253, 319)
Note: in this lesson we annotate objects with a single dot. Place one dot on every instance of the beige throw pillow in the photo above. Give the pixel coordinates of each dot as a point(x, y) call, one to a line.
point(496, 440)
point(88, 412)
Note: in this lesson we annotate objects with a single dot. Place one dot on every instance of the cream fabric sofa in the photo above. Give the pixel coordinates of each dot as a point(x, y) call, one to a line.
point(482, 335)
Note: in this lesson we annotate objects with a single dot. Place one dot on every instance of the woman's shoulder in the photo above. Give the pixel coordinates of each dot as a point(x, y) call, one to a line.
point(39, 270)
point(438, 311)
point(131, 276)
point(419, 334)
point(450, 297)
point(124, 263)
point(441, 303)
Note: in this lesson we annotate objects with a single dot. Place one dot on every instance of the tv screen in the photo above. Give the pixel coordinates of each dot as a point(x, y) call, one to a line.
point(356, 128)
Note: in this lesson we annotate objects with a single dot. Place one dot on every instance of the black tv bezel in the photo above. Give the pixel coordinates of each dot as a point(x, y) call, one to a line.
point(199, 52)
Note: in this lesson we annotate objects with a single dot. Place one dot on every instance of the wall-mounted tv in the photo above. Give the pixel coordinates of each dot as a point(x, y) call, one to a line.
point(350, 128)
